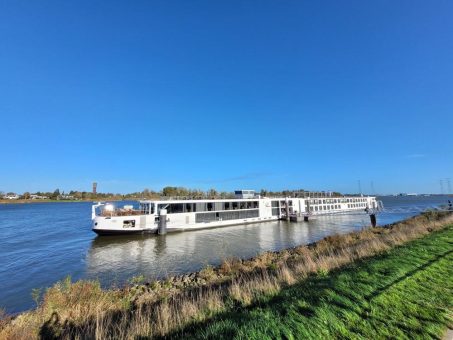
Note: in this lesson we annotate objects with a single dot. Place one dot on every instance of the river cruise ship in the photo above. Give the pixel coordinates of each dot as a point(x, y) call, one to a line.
point(177, 215)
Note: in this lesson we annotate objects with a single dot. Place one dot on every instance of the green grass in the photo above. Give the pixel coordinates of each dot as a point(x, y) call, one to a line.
point(405, 293)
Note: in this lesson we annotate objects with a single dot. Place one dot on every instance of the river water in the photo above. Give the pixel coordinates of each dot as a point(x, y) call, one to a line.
point(41, 243)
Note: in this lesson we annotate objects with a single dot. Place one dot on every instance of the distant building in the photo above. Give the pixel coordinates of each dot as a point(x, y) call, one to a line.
point(38, 197)
point(12, 197)
point(65, 197)
point(95, 185)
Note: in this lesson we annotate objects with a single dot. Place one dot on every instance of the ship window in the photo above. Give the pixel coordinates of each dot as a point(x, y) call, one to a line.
point(210, 206)
point(235, 205)
point(243, 205)
point(189, 207)
point(200, 206)
point(129, 224)
point(227, 205)
point(144, 208)
point(175, 208)
point(205, 217)
point(255, 204)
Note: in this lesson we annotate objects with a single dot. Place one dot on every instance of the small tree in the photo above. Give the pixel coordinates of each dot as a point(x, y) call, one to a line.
point(212, 193)
point(169, 191)
point(55, 194)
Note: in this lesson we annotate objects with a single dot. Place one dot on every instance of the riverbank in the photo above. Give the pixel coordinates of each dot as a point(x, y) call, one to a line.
point(164, 307)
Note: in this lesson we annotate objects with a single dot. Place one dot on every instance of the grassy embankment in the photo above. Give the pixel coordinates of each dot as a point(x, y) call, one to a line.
point(405, 293)
point(357, 285)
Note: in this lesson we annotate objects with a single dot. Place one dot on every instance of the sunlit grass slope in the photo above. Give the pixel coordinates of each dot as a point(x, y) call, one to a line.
point(405, 293)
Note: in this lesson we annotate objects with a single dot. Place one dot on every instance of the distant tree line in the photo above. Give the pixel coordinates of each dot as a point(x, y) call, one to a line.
point(166, 192)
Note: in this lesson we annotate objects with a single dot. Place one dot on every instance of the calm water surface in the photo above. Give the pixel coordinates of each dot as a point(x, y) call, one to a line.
point(42, 243)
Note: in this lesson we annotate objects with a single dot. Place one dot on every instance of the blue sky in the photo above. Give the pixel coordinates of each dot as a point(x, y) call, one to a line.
point(233, 94)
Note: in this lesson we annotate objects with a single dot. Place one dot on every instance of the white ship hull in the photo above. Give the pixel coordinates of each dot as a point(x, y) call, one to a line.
point(181, 215)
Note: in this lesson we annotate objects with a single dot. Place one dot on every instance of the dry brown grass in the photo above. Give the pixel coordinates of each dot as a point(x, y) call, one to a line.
point(83, 310)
